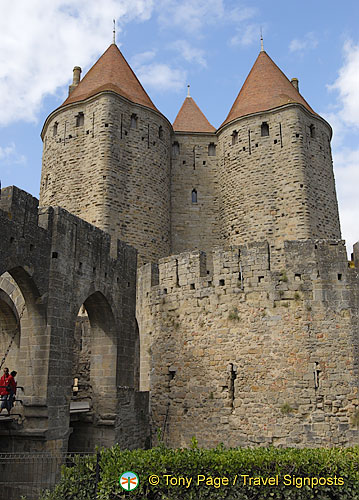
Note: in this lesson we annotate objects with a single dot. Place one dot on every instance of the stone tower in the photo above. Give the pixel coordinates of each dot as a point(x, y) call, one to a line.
point(275, 164)
point(194, 207)
point(106, 157)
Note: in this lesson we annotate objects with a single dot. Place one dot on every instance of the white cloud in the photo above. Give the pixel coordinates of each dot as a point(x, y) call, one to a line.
point(156, 75)
point(161, 77)
point(10, 156)
point(309, 41)
point(345, 122)
point(347, 85)
point(34, 34)
point(189, 53)
point(190, 15)
point(246, 35)
point(142, 58)
point(346, 163)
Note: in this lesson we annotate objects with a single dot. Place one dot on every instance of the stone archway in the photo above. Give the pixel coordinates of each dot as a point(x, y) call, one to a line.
point(24, 323)
point(95, 366)
point(10, 316)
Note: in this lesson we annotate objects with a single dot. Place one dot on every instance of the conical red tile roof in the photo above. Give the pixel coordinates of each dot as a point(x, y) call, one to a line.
point(111, 72)
point(191, 119)
point(266, 87)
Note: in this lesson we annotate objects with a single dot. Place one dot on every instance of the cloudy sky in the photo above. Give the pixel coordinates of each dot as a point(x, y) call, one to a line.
point(210, 44)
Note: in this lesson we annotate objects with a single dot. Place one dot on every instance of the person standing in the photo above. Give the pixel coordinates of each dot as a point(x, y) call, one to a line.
point(3, 391)
point(11, 390)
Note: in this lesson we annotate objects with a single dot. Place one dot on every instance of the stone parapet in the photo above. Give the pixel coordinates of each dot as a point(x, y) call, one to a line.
point(250, 354)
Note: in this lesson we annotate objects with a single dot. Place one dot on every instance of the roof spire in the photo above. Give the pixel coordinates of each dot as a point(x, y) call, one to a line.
point(114, 32)
point(188, 94)
point(262, 48)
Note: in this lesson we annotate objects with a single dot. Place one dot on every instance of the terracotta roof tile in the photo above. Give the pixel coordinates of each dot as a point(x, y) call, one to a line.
point(111, 72)
point(191, 119)
point(266, 87)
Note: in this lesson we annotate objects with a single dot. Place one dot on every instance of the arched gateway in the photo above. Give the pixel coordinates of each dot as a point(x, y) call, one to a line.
point(51, 263)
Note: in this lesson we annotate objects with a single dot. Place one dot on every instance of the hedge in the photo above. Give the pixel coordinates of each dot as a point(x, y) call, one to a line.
point(283, 473)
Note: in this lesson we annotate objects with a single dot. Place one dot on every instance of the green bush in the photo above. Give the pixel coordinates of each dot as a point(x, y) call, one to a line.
point(284, 465)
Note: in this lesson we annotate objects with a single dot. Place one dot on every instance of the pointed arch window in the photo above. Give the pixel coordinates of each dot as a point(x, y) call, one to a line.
point(54, 130)
point(264, 129)
point(312, 131)
point(194, 195)
point(80, 119)
point(234, 137)
point(134, 119)
point(175, 149)
point(212, 149)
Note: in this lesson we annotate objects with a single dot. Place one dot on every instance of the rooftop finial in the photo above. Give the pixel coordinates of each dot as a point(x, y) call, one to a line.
point(262, 48)
point(114, 31)
point(188, 94)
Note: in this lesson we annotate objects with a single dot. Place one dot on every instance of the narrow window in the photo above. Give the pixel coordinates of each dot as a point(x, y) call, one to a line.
point(175, 149)
point(312, 131)
point(194, 196)
point(317, 373)
point(232, 378)
point(160, 132)
point(234, 137)
point(264, 129)
point(80, 119)
point(212, 149)
point(133, 121)
point(54, 130)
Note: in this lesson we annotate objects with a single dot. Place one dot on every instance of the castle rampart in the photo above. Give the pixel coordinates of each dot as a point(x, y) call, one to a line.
point(250, 355)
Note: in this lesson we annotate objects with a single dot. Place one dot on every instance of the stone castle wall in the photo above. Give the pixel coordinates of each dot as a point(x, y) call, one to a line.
point(113, 171)
point(248, 355)
point(278, 186)
point(51, 263)
point(194, 224)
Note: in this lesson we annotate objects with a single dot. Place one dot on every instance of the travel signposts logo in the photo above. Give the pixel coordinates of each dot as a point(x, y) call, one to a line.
point(129, 481)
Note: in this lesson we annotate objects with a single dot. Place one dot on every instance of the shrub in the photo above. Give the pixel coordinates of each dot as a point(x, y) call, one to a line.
point(286, 408)
point(288, 467)
point(233, 315)
point(284, 277)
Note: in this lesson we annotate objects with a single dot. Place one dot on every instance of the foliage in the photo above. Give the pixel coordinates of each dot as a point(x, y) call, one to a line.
point(286, 408)
point(284, 277)
point(233, 315)
point(77, 483)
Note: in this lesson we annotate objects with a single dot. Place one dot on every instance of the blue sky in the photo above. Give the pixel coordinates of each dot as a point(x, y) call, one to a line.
point(211, 44)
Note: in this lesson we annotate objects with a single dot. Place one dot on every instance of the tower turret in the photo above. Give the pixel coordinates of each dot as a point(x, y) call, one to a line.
point(107, 157)
point(194, 208)
point(275, 164)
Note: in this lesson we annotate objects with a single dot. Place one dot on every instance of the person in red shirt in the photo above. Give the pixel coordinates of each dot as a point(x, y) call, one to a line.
point(3, 382)
point(3, 391)
point(10, 391)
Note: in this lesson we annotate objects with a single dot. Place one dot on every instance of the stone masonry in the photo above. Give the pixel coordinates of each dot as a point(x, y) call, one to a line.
point(250, 356)
point(113, 175)
point(279, 186)
point(194, 224)
point(52, 263)
point(246, 327)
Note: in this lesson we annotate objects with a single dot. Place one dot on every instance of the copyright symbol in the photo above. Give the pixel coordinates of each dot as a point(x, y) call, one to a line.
point(154, 480)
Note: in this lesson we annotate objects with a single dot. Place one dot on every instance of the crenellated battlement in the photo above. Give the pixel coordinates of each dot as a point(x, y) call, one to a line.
point(246, 349)
point(247, 268)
